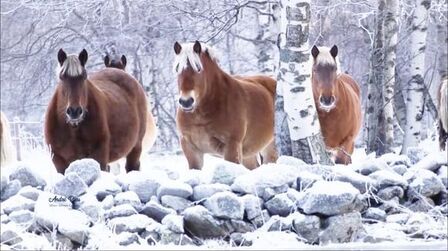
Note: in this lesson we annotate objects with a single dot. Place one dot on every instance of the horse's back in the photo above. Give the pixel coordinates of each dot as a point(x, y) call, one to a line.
point(107, 78)
point(265, 81)
point(350, 82)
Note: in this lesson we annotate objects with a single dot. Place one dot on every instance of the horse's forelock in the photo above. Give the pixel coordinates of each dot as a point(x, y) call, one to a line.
point(188, 58)
point(72, 67)
point(325, 58)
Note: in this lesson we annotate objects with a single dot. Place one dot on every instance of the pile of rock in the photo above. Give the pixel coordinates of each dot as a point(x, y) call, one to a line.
point(394, 196)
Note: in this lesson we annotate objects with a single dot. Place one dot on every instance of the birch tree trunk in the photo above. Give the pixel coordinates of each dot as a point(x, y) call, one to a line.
point(268, 29)
point(297, 126)
point(414, 101)
point(390, 45)
point(374, 97)
point(442, 39)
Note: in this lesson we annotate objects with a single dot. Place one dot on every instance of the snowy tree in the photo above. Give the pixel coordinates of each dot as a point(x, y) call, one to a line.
point(416, 87)
point(297, 126)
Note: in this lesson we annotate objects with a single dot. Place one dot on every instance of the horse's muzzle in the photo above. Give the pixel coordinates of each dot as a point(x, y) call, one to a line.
point(187, 105)
point(327, 102)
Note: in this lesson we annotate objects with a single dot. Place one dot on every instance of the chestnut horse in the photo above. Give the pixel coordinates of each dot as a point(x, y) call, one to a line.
point(219, 114)
point(338, 103)
point(443, 112)
point(6, 147)
point(103, 116)
point(115, 62)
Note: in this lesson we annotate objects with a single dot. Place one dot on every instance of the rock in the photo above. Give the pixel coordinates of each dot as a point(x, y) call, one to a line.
point(192, 177)
point(419, 224)
point(126, 239)
point(399, 218)
point(92, 207)
point(4, 219)
point(400, 169)
point(443, 175)
point(156, 211)
point(432, 161)
point(16, 203)
point(10, 236)
point(143, 186)
point(389, 192)
point(11, 189)
point(294, 195)
point(133, 223)
point(375, 214)
point(423, 204)
point(253, 206)
point(177, 203)
point(50, 217)
point(130, 198)
point(426, 183)
point(30, 192)
point(108, 202)
point(225, 205)
point(174, 223)
point(226, 172)
point(330, 198)
point(370, 166)
point(261, 219)
point(175, 188)
point(360, 182)
point(152, 233)
point(75, 231)
point(3, 182)
point(306, 180)
point(207, 190)
point(169, 237)
point(280, 205)
point(239, 240)
point(385, 178)
point(391, 206)
point(341, 228)
point(277, 223)
point(70, 186)
point(103, 187)
point(290, 161)
point(270, 192)
point(21, 216)
point(393, 159)
point(306, 226)
point(200, 223)
point(87, 169)
point(120, 211)
point(27, 177)
point(416, 154)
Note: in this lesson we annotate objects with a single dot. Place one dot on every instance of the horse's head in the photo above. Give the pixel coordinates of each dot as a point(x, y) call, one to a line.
point(115, 62)
point(325, 73)
point(73, 78)
point(190, 64)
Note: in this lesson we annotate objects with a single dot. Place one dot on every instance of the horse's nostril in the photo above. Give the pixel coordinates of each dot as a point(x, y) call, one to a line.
point(74, 112)
point(186, 103)
point(327, 100)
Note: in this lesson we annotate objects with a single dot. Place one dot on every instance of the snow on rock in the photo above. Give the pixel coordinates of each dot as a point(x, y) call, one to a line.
point(253, 206)
point(330, 198)
point(200, 222)
point(142, 184)
point(10, 235)
point(305, 180)
point(442, 173)
point(347, 174)
point(341, 228)
point(156, 211)
point(375, 214)
point(128, 197)
point(120, 211)
point(370, 166)
point(10, 189)
point(126, 239)
point(424, 182)
point(175, 188)
point(17, 202)
point(3, 182)
point(306, 226)
point(22, 216)
point(225, 172)
point(174, 223)
point(290, 161)
point(390, 192)
point(416, 154)
point(134, 223)
point(104, 186)
point(385, 178)
point(30, 192)
point(280, 204)
point(393, 159)
point(432, 161)
point(206, 190)
point(177, 203)
point(225, 205)
point(87, 169)
point(192, 177)
point(70, 186)
point(400, 169)
point(27, 176)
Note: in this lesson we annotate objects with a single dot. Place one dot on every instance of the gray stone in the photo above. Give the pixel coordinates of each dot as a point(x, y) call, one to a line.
point(370, 166)
point(103, 187)
point(270, 192)
point(280, 205)
point(16, 203)
point(11, 189)
point(239, 240)
point(156, 211)
point(294, 195)
point(169, 237)
point(400, 169)
point(415, 154)
point(87, 169)
point(75, 231)
point(253, 206)
point(71, 223)
point(126, 239)
point(21, 216)
point(133, 223)
point(174, 223)
point(423, 204)
point(261, 219)
point(442, 173)
point(306, 180)
point(330, 198)
point(177, 203)
point(375, 214)
point(91, 207)
point(27, 177)
point(432, 161)
point(192, 177)
point(391, 206)
point(144, 187)
point(30, 192)
point(226, 172)
point(108, 202)
point(426, 183)
point(225, 205)
point(207, 190)
point(129, 197)
point(10, 236)
point(341, 228)
point(400, 218)
point(3, 182)
point(152, 233)
point(277, 223)
point(120, 211)
point(390, 192)
point(360, 182)
point(393, 159)
point(385, 178)
point(306, 226)
point(175, 188)
point(200, 222)
point(70, 186)
point(4, 219)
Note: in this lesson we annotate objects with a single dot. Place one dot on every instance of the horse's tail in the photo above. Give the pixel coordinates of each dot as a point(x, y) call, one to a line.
point(7, 153)
point(151, 132)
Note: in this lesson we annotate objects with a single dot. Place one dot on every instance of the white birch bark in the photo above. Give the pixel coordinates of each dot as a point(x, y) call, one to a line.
point(297, 125)
point(390, 45)
point(414, 101)
point(268, 29)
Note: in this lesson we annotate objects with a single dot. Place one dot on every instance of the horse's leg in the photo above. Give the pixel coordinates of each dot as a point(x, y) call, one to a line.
point(194, 157)
point(233, 151)
point(250, 162)
point(60, 163)
point(443, 136)
point(133, 158)
point(269, 153)
point(343, 155)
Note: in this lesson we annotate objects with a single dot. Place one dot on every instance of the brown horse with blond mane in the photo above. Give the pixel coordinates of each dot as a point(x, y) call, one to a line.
point(338, 103)
point(103, 116)
point(220, 114)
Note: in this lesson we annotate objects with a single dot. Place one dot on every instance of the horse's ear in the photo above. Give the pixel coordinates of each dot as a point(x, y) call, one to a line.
point(177, 48)
point(83, 56)
point(334, 51)
point(106, 60)
point(197, 47)
point(62, 56)
point(314, 51)
point(123, 60)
